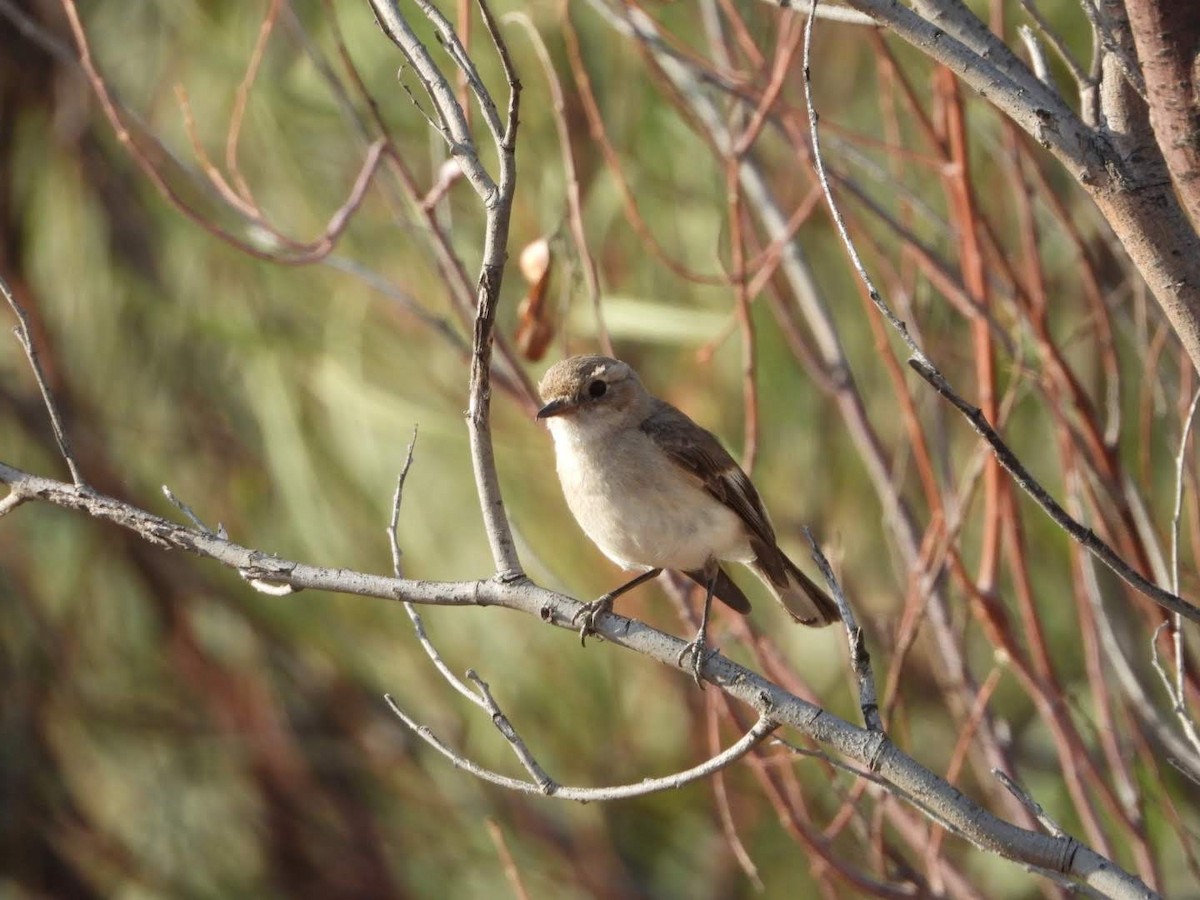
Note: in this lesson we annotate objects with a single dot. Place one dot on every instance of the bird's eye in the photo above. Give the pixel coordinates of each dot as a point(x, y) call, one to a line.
point(597, 389)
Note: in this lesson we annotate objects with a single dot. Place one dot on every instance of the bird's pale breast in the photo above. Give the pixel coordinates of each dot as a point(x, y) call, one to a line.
point(639, 507)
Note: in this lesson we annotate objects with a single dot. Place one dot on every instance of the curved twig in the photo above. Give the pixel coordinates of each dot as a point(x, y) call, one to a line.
point(763, 727)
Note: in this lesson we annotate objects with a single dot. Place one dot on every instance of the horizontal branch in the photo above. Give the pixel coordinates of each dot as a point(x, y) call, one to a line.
point(871, 749)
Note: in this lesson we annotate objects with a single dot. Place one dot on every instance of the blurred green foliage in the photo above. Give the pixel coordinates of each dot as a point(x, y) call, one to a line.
point(168, 732)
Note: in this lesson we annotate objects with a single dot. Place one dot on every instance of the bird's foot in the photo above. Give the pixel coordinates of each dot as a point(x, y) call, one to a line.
point(588, 613)
point(700, 653)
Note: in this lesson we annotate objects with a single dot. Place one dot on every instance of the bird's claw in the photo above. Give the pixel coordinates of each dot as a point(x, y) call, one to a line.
point(588, 613)
point(700, 654)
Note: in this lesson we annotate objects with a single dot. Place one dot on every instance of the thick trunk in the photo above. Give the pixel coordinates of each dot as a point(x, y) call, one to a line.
point(1120, 162)
point(1166, 34)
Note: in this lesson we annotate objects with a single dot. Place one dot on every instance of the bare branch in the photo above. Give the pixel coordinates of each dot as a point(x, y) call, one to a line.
point(453, 120)
point(763, 727)
point(860, 659)
point(496, 197)
point(574, 204)
point(1085, 536)
point(511, 872)
point(1032, 805)
point(774, 705)
point(56, 422)
point(397, 497)
point(186, 510)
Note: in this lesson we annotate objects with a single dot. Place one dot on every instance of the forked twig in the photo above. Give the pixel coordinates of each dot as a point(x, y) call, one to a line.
point(761, 729)
point(496, 196)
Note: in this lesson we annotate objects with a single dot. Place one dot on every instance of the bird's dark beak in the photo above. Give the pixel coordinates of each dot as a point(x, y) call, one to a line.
point(557, 407)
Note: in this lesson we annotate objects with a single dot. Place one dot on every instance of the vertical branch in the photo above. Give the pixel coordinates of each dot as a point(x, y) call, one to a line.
point(964, 215)
point(496, 196)
point(1178, 696)
point(737, 246)
point(495, 254)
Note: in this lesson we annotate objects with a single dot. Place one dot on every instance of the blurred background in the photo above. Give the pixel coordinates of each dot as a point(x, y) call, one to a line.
point(166, 731)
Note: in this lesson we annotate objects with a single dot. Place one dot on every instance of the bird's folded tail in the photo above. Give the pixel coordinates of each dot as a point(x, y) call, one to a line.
point(799, 594)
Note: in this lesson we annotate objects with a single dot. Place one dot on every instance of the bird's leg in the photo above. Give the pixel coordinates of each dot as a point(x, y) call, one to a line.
point(699, 645)
point(589, 611)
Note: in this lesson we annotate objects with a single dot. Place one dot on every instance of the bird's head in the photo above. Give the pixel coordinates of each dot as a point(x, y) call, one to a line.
point(592, 393)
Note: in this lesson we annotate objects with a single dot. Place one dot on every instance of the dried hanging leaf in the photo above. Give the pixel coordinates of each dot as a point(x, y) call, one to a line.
point(534, 326)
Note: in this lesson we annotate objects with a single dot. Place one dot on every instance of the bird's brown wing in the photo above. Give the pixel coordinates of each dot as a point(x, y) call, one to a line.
point(699, 453)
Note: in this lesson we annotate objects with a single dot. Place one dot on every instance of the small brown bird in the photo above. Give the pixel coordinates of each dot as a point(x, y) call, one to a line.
point(653, 490)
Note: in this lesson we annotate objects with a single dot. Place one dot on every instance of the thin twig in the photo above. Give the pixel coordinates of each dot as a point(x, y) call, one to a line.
point(56, 422)
point(397, 497)
point(1178, 752)
point(923, 367)
point(1037, 57)
point(860, 659)
point(504, 726)
point(835, 213)
point(436, 658)
point(186, 510)
point(574, 204)
point(763, 727)
point(397, 569)
point(1029, 803)
point(1175, 516)
point(1055, 40)
point(1085, 536)
point(511, 872)
point(724, 809)
point(242, 100)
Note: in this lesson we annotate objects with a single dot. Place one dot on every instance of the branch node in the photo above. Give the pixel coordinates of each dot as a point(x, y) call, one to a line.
point(186, 510)
point(878, 750)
